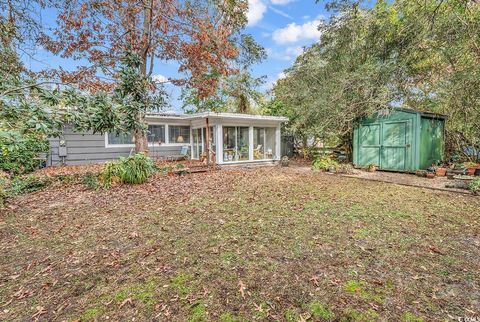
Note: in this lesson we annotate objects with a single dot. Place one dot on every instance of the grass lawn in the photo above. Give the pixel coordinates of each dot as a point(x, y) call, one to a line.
point(283, 244)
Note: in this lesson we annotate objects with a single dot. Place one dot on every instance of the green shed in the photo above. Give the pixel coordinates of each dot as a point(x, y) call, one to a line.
point(399, 140)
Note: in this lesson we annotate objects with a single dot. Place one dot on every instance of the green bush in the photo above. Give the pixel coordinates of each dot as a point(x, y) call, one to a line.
point(134, 170)
point(323, 163)
point(474, 186)
point(18, 151)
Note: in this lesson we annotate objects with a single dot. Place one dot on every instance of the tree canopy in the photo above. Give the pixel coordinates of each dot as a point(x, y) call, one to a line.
point(421, 55)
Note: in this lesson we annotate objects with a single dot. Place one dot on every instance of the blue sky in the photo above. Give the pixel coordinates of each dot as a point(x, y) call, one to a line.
point(282, 27)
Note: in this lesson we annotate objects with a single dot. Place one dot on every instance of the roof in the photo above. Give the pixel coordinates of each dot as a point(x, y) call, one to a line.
point(201, 115)
point(411, 110)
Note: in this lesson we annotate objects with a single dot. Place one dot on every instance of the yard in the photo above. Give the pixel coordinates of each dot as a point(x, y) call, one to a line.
point(283, 244)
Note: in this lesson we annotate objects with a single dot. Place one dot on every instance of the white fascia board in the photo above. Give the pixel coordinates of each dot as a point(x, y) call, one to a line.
point(237, 116)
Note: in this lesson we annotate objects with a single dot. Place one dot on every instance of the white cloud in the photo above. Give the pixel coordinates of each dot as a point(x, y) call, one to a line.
point(281, 2)
point(256, 10)
point(289, 53)
point(294, 32)
point(281, 13)
point(158, 78)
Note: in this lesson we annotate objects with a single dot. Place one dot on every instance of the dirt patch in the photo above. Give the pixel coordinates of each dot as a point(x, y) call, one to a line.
point(439, 183)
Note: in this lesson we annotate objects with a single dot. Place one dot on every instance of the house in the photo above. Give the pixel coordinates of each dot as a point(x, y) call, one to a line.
point(399, 139)
point(233, 138)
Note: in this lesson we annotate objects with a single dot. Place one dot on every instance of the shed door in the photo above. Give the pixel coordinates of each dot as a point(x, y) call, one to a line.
point(395, 145)
point(369, 144)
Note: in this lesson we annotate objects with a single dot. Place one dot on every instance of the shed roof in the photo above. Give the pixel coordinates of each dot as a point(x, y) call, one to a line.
point(411, 110)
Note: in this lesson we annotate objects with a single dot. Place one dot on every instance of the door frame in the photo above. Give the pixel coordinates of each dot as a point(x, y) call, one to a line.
point(408, 144)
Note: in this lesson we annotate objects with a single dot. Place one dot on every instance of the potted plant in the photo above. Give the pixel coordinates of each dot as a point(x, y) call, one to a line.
point(371, 167)
point(471, 167)
point(284, 161)
point(441, 171)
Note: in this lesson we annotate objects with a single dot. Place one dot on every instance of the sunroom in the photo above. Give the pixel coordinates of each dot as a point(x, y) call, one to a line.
point(236, 138)
point(232, 138)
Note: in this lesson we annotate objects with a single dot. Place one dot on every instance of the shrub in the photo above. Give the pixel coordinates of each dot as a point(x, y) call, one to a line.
point(18, 152)
point(134, 170)
point(323, 163)
point(474, 186)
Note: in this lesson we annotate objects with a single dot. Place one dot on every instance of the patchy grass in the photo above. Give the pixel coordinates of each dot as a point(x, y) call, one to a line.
point(239, 245)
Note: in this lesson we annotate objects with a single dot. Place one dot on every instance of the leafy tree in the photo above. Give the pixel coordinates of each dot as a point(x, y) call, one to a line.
point(238, 92)
point(197, 34)
point(421, 55)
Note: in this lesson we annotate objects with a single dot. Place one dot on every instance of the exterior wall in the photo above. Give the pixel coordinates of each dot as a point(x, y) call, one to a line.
point(431, 141)
point(91, 148)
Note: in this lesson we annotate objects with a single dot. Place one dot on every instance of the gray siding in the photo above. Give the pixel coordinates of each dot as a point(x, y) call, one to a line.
point(90, 148)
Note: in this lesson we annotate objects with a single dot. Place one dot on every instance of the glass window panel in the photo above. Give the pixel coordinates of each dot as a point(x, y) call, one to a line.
point(119, 138)
point(242, 143)
point(235, 143)
point(229, 143)
point(197, 143)
point(213, 139)
point(179, 134)
point(156, 133)
point(258, 143)
point(270, 142)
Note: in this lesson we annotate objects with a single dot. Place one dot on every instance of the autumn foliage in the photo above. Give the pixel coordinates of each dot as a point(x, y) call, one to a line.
point(198, 36)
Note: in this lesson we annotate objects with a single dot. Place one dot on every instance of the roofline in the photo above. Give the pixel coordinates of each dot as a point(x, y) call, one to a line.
point(218, 115)
point(410, 110)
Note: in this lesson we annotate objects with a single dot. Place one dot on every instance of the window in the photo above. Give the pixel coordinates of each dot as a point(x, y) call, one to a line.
point(119, 138)
point(179, 134)
point(235, 143)
point(258, 143)
point(156, 133)
point(263, 143)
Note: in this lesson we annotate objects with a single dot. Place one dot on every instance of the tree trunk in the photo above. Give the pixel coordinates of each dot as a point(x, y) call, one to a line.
point(141, 140)
point(140, 136)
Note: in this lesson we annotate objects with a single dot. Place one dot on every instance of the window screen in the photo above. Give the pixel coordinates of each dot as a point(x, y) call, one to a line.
point(179, 134)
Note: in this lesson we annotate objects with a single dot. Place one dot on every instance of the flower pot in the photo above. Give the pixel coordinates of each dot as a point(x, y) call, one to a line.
point(430, 175)
point(471, 171)
point(441, 172)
